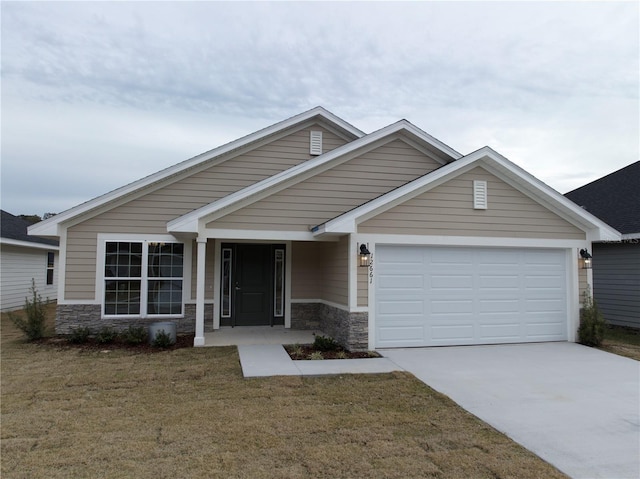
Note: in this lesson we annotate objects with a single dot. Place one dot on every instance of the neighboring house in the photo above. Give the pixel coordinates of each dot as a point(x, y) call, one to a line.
point(615, 199)
point(267, 230)
point(23, 258)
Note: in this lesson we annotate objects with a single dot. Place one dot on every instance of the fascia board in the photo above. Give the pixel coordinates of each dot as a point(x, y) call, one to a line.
point(50, 227)
point(537, 189)
point(190, 221)
point(28, 244)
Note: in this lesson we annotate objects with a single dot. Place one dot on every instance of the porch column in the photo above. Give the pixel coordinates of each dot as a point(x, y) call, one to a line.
point(200, 276)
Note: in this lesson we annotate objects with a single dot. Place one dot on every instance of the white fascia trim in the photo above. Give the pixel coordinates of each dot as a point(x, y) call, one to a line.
point(630, 236)
point(481, 241)
point(495, 163)
point(189, 223)
point(78, 301)
point(28, 244)
point(261, 235)
point(49, 227)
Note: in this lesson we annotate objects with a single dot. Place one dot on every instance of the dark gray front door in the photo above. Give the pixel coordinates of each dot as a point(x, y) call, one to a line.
point(252, 284)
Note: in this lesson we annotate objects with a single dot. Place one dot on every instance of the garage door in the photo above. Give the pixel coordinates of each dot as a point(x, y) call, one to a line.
point(441, 296)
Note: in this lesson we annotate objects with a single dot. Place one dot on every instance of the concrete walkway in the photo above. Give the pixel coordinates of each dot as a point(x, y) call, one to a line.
point(576, 407)
point(260, 360)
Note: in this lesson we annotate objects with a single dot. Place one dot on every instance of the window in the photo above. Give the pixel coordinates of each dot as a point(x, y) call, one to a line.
point(50, 260)
point(278, 284)
point(143, 278)
point(226, 282)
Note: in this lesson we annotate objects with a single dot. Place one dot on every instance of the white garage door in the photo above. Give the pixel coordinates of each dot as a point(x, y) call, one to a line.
point(441, 296)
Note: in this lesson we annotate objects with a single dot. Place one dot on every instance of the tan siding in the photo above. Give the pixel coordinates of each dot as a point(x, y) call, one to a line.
point(306, 270)
point(335, 277)
point(448, 210)
point(150, 213)
point(329, 194)
point(363, 286)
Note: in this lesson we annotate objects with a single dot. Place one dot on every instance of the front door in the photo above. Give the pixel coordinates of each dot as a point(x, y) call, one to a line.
point(251, 286)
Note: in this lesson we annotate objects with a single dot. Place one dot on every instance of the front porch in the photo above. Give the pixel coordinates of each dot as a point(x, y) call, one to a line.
point(252, 335)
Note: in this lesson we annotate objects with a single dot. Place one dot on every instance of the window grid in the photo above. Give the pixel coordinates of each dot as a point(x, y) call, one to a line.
point(50, 265)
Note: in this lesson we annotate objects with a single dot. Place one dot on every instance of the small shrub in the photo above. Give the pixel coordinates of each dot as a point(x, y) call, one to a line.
point(592, 324)
point(135, 335)
point(162, 340)
point(297, 350)
point(34, 327)
point(106, 335)
point(324, 343)
point(316, 355)
point(79, 335)
point(342, 355)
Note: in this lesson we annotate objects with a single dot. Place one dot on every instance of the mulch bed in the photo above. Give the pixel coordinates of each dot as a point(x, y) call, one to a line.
point(304, 351)
point(62, 342)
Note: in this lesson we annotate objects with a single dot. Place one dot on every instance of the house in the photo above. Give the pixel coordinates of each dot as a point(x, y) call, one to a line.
point(268, 230)
point(23, 258)
point(615, 199)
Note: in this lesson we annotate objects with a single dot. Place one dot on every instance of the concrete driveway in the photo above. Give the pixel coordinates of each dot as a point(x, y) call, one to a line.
point(577, 408)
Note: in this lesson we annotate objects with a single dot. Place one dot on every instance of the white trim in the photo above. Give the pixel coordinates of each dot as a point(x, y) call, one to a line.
point(261, 235)
point(495, 164)
point(28, 244)
point(486, 241)
point(573, 294)
point(188, 223)
point(630, 236)
point(79, 301)
point(371, 324)
point(50, 227)
point(288, 259)
point(62, 267)
point(201, 268)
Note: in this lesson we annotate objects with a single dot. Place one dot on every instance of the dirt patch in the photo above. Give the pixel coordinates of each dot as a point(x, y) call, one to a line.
point(308, 351)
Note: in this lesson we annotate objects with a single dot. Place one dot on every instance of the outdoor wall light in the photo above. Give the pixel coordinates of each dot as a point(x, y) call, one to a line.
point(364, 256)
point(586, 259)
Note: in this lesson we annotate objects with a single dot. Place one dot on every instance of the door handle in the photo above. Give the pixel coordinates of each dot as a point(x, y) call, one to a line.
point(238, 288)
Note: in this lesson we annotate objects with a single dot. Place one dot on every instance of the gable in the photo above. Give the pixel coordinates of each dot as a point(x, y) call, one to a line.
point(334, 191)
point(448, 210)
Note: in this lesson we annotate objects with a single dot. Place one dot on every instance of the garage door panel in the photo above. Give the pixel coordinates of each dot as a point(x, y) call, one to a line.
point(469, 296)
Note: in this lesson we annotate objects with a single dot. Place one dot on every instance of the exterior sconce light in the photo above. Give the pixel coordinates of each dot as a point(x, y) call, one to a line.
point(364, 256)
point(586, 259)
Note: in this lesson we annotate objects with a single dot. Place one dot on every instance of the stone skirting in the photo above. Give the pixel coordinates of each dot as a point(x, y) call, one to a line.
point(350, 329)
point(72, 316)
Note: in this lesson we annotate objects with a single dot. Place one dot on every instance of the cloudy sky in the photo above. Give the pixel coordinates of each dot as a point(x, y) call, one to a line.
point(98, 94)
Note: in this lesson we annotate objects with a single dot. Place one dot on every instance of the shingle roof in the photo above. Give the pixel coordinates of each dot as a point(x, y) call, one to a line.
point(12, 227)
point(614, 198)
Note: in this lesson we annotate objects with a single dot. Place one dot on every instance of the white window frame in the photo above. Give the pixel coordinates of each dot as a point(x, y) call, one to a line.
point(103, 239)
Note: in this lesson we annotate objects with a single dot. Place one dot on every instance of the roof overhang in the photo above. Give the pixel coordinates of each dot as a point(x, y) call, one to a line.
point(496, 164)
point(51, 226)
point(192, 222)
point(28, 244)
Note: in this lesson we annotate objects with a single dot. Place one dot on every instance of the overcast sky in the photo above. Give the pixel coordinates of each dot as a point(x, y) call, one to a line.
point(97, 95)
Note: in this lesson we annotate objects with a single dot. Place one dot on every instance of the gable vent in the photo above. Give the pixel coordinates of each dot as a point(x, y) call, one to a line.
point(479, 195)
point(316, 143)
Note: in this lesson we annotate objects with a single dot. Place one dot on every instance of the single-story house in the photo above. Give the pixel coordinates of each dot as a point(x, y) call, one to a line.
point(386, 239)
point(24, 258)
point(615, 199)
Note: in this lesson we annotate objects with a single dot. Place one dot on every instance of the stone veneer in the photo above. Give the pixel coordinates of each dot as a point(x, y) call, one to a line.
point(72, 316)
point(350, 329)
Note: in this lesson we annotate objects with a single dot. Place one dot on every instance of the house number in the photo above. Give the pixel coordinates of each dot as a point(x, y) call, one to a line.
point(371, 270)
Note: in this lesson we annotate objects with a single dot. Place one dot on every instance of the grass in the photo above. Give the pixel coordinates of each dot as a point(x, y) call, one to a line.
point(622, 341)
point(73, 413)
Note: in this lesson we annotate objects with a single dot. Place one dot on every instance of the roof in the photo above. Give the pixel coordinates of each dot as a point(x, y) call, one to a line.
point(614, 198)
point(189, 223)
point(14, 229)
point(496, 164)
point(50, 227)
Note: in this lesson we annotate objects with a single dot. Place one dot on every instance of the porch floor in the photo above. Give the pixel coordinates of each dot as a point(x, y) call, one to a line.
point(245, 335)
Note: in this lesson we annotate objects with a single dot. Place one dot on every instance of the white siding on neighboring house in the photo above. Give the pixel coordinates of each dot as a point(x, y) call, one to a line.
point(18, 266)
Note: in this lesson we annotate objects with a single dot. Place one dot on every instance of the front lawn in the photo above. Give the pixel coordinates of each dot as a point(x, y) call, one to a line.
point(622, 341)
point(73, 413)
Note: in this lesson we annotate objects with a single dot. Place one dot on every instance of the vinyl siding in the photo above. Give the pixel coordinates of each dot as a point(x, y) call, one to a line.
point(335, 274)
point(18, 266)
point(306, 270)
point(150, 213)
point(616, 282)
point(447, 210)
point(333, 192)
point(363, 286)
